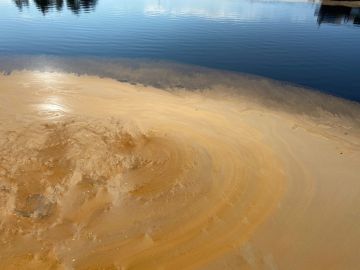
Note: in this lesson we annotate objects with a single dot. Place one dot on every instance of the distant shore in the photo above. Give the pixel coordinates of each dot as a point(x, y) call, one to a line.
point(347, 3)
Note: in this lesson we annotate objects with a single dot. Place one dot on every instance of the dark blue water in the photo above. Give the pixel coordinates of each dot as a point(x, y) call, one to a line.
point(305, 43)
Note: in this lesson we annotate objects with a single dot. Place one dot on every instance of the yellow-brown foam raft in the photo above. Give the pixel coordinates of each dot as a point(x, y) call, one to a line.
point(98, 174)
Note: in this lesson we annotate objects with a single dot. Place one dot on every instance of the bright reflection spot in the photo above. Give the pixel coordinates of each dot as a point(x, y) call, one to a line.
point(52, 107)
point(47, 77)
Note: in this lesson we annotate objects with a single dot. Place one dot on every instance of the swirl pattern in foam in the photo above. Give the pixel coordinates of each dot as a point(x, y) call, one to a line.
point(97, 174)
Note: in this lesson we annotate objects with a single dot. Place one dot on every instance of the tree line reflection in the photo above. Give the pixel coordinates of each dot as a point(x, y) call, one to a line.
point(326, 12)
point(44, 6)
point(338, 14)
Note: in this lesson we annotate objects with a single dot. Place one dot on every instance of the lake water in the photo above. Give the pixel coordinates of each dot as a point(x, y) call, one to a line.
point(305, 43)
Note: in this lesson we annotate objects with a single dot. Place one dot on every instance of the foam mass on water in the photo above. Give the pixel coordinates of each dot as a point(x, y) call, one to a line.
point(132, 164)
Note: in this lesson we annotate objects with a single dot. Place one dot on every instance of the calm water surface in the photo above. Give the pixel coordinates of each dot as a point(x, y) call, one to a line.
point(306, 43)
